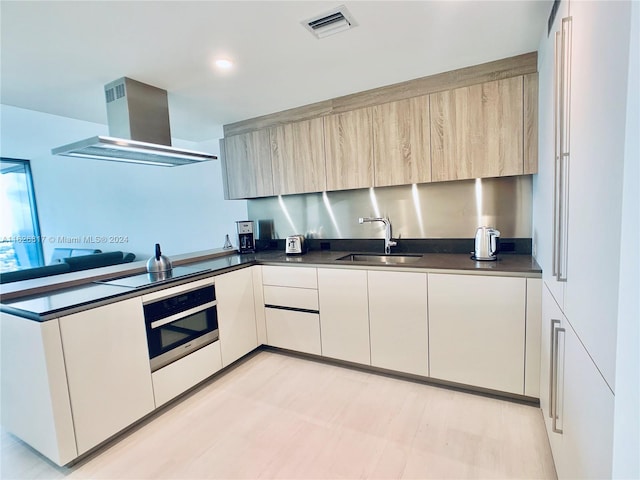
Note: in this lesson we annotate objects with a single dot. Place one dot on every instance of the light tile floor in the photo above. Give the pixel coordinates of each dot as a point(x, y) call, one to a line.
point(279, 416)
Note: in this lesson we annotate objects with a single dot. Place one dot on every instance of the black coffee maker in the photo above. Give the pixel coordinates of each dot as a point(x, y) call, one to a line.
point(246, 238)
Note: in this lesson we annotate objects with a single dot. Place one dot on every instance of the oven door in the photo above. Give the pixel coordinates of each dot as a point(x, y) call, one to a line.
point(173, 337)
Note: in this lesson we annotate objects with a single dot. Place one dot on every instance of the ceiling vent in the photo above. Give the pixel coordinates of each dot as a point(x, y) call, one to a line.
point(334, 21)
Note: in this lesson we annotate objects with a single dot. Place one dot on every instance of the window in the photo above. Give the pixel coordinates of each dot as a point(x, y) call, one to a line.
point(20, 245)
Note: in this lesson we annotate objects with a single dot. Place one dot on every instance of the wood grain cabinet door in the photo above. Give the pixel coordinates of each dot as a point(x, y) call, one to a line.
point(247, 164)
point(401, 139)
point(477, 131)
point(349, 150)
point(297, 153)
point(530, 123)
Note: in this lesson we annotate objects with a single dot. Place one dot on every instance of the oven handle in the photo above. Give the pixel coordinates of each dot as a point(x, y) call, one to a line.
point(186, 313)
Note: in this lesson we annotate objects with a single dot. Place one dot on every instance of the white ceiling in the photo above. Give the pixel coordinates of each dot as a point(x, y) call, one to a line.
point(57, 55)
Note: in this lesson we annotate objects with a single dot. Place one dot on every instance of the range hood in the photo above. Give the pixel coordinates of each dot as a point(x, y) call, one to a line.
point(139, 131)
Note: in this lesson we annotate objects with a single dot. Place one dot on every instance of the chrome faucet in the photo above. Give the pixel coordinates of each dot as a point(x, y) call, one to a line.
point(388, 243)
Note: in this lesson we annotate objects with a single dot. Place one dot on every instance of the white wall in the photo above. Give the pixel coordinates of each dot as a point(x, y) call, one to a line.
point(626, 463)
point(182, 208)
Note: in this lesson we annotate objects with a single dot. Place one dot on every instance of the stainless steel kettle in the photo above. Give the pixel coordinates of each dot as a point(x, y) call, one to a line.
point(487, 244)
point(159, 265)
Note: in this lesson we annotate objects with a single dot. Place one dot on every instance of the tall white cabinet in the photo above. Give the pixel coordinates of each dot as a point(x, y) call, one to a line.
point(597, 131)
point(578, 215)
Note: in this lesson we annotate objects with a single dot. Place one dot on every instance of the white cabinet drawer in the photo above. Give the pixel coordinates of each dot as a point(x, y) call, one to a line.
point(291, 297)
point(302, 277)
point(299, 331)
point(181, 375)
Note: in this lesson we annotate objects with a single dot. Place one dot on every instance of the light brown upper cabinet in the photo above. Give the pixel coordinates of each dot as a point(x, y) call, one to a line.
point(247, 163)
point(349, 149)
point(478, 121)
point(401, 143)
point(477, 131)
point(297, 156)
point(530, 123)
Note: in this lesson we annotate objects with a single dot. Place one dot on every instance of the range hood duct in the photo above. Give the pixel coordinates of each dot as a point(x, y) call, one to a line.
point(139, 130)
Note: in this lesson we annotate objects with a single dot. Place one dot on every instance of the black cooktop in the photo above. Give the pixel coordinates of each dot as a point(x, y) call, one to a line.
point(145, 279)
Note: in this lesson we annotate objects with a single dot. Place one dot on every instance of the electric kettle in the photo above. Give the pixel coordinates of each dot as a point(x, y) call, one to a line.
point(487, 244)
point(159, 267)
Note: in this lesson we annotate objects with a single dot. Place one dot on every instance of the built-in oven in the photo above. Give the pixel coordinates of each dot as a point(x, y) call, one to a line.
point(180, 320)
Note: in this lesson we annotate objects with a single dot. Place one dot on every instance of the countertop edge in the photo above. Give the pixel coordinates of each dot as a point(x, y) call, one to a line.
point(408, 268)
point(24, 288)
point(277, 259)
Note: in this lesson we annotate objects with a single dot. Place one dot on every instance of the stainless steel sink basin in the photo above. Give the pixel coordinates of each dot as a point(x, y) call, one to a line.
point(380, 258)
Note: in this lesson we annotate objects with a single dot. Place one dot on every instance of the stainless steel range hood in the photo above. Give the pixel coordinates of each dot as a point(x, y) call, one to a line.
point(138, 117)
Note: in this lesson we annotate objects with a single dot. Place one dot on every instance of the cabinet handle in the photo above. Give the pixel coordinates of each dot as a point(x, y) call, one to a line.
point(564, 221)
point(291, 309)
point(565, 94)
point(556, 415)
point(556, 217)
point(552, 368)
point(566, 85)
point(186, 313)
point(557, 116)
point(562, 105)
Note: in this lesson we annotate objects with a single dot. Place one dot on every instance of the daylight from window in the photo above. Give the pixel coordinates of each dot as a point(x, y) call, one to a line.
point(20, 245)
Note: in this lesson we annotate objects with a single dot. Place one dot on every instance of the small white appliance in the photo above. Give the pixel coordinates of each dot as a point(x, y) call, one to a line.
point(487, 244)
point(295, 245)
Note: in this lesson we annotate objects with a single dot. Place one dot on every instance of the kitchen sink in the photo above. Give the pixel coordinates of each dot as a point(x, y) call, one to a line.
point(380, 258)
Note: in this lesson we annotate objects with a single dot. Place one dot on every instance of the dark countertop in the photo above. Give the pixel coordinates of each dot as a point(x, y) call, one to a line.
point(52, 304)
point(506, 265)
point(65, 301)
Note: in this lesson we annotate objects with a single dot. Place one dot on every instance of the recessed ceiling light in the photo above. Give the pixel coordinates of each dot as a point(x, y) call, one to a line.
point(224, 64)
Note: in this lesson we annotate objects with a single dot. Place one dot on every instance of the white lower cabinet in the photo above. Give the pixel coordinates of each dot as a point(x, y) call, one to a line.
point(236, 314)
point(258, 304)
point(532, 338)
point(71, 383)
point(108, 372)
point(291, 297)
point(293, 330)
point(181, 375)
point(344, 314)
point(477, 330)
point(576, 402)
point(35, 395)
point(291, 308)
point(398, 321)
point(297, 277)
